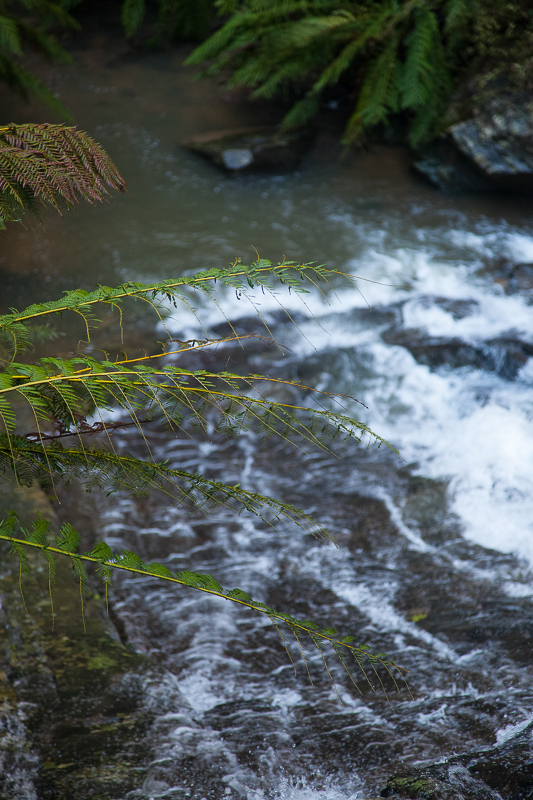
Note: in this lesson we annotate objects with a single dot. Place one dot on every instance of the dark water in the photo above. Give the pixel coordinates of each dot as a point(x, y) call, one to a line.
point(434, 549)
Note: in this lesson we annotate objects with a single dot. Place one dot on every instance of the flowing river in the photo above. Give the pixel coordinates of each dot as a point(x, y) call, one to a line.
point(433, 564)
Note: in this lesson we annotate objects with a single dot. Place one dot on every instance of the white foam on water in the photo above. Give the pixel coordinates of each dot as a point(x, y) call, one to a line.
point(379, 610)
point(512, 730)
point(303, 789)
point(465, 426)
point(519, 247)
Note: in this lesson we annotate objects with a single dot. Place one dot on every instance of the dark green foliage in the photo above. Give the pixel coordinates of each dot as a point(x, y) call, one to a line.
point(64, 394)
point(51, 164)
point(392, 56)
point(25, 24)
point(176, 19)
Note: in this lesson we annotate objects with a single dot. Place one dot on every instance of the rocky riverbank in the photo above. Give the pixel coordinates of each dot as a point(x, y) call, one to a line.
point(491, 150)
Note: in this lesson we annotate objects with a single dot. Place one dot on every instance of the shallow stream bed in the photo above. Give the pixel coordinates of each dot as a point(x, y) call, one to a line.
point(433, 564)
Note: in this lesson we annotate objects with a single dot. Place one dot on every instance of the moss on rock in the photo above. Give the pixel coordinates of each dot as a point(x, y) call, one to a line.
point(74, 721)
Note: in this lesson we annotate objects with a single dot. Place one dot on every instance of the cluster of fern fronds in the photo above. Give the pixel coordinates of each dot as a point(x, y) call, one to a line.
point(390, 58)
point(383, 59)
point(72, 436)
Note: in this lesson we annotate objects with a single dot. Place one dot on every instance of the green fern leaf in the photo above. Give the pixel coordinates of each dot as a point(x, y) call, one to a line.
point(133, 12)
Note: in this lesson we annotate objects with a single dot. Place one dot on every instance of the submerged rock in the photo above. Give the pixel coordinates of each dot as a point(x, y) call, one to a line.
point(515, 278)
point(491, 151)
point(505, 771)
point(252, 149)
point(504, 355)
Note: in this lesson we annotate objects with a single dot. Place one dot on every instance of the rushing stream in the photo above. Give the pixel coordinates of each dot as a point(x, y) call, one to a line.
point(433, 564)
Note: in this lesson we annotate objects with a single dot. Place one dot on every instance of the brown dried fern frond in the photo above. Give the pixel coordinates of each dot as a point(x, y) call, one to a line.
point(51, 164)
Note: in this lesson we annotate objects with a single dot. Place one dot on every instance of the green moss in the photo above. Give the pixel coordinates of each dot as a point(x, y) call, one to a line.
point(101, 662)
point(413, 787)
point(85, 717)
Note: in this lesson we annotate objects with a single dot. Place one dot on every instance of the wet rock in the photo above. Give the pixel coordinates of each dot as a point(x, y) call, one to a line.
point(491, 151)
point(446, 167)
point(503, 355)
point(505, 771)
point(73, 701)
point(252, 149)
point(521, 279)
point(515, 278)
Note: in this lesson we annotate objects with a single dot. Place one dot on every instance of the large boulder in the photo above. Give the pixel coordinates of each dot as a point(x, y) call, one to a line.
point(491, 151)
point(252, 149)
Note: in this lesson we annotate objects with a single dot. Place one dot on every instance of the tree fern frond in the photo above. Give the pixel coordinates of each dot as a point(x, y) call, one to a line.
point(9, 36)
point(25, 25)
point(302, 111)
point(261, 274)
point(272, 45)
point(26, 85)
point(52, 164)
point(63, 393)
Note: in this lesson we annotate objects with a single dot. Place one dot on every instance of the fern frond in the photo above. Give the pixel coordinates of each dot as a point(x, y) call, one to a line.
point(421, 43)
point(10, 36)
point(102, 558)
point(133, 12)
point(26, 85)
point(391, 55)
point(374, 98)
point(51, 164)
point(261, 274)
point(17, 33)
point(63, 393)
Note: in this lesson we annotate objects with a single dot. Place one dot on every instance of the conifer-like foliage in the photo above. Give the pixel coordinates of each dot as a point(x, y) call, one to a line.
point(25, 26)
point(51, 164)
point(392, 57)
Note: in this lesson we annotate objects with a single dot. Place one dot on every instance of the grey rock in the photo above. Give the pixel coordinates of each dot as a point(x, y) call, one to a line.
point(252, 149)
point(504, 771)
point(448, 169)
point(491, 151)
point(505, 355)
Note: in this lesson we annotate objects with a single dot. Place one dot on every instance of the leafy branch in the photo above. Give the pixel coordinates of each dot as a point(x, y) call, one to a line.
point(25, 24)
point(261, 274)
